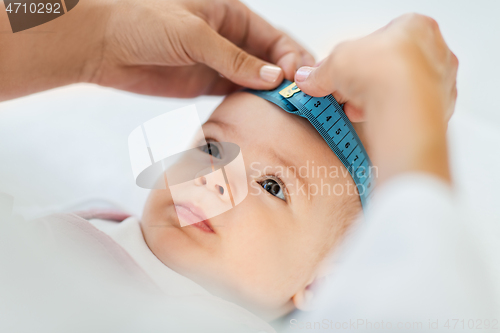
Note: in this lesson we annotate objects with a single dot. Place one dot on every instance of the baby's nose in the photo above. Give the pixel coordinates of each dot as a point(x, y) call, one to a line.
point(203, 181)
point(214, 182)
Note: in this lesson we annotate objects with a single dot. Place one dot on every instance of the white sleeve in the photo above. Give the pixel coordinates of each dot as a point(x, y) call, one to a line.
point(411, 260)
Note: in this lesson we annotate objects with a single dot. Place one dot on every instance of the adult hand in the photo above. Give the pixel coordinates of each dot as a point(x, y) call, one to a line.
point(181, 46)
point(168, 48)
point(402, 80)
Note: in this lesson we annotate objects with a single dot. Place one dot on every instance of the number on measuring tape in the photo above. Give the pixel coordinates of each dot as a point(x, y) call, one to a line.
point(329, 119)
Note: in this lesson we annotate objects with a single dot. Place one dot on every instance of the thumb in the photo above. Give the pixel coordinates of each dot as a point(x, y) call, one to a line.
point(315, 81)
point(319, 81)
point(208, 47)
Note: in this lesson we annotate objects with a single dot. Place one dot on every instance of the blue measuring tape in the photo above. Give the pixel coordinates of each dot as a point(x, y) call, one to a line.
point(329, 119)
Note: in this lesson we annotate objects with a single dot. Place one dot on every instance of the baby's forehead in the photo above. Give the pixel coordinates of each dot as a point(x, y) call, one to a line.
point(253, 115)
point(262, 129)
point(259, 127)
point(249, 119)
point(243, 104)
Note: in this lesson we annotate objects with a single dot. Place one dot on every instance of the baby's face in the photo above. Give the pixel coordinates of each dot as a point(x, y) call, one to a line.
point(263, 253)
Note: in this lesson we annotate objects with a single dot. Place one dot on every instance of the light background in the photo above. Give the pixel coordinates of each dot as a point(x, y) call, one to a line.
point(69, 145)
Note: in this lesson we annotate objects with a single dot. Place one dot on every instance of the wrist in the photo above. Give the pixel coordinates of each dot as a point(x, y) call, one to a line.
point(92, 26)
point(63, 51)
point(408, 134)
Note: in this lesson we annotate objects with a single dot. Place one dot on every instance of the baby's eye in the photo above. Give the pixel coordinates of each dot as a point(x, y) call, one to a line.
point(273, 187)
point(211, 149)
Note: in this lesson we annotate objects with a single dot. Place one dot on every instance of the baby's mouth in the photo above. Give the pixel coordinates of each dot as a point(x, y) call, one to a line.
point(192, 215)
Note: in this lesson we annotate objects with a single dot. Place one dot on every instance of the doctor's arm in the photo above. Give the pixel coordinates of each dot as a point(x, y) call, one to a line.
point(401, 82)
point(177, 48)
point(413, 258)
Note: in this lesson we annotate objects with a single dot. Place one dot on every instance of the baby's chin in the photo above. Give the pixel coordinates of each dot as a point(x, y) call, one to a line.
point(173, 246)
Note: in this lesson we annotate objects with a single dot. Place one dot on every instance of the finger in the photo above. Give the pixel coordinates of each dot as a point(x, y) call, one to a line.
point(222, 86)
point(289, 64)
point(318, 81)
point(451, 109)
point(208, 47)
point(289, 55)
point(315, 81)
point(181, 82)
point(319, 63)
point(307, 59)
point(251, 32)
point(324, 78)
point(355, 114)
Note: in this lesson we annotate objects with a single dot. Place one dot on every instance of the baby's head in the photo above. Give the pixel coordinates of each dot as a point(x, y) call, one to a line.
point(264, 253)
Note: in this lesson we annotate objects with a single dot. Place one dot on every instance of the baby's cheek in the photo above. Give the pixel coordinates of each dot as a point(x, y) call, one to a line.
point(259, 284)
point(153, 207)
point(261, 259)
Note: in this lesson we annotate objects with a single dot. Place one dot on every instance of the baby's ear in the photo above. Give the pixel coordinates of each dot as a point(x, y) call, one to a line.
point(303, 299)
point(306, 297)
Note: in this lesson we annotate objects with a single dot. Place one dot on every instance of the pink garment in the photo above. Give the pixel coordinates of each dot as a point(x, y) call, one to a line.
point(103, 214)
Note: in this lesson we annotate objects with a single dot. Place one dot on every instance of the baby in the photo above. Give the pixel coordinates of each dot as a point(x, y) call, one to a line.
point(265, 253)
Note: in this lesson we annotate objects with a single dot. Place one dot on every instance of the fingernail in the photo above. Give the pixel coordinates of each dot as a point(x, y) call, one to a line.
point(303, 73)
point(270, 73)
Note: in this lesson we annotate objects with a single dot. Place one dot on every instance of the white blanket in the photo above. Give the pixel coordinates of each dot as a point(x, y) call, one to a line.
point(78, 277)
